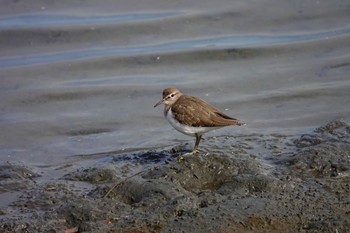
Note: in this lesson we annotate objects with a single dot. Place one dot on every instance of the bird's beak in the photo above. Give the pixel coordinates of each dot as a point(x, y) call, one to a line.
point(159, 103)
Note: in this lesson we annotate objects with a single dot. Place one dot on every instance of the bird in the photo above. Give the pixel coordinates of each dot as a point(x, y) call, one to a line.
point(193, 116)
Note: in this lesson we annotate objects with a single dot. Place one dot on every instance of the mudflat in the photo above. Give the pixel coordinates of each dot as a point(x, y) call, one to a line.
point(294, 184)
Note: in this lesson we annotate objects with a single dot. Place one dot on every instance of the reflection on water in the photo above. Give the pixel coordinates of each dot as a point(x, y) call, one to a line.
point(75, 84)
point(27, 21)
point(178, 46)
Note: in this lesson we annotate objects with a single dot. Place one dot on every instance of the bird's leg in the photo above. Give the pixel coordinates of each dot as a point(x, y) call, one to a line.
point(198, 138)
point(195, 149)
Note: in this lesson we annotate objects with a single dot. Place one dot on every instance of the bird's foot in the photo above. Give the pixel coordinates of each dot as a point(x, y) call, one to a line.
point(182, 157)
point(195, 151)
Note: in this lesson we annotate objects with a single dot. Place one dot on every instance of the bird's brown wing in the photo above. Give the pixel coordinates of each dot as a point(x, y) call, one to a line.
point(192, 111)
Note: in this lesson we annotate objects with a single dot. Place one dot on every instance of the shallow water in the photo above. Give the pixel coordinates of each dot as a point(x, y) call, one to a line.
point(83, 78)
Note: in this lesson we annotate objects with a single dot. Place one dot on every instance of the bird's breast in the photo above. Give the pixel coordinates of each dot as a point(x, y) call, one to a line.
point(185, 129)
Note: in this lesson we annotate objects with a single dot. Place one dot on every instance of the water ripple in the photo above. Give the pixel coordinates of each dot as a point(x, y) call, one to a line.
point(27, 21)
point(176, 46)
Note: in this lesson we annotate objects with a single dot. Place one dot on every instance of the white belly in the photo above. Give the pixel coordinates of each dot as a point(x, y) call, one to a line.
point(185, 129)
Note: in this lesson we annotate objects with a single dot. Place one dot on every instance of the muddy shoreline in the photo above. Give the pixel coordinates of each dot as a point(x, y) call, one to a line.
point(255, 183)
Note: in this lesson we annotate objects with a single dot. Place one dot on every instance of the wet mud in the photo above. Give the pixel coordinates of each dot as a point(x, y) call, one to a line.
point(249, 183)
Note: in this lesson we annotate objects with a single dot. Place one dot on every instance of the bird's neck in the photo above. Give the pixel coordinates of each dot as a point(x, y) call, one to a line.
point(166, 110)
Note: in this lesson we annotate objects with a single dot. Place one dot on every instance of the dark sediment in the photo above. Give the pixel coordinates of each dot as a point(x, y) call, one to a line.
point(254, 183)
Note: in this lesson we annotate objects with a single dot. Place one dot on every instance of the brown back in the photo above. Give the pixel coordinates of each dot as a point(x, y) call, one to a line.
point(192, 111)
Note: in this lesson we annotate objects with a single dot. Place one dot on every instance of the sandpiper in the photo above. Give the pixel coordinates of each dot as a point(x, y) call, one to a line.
point(193, 116)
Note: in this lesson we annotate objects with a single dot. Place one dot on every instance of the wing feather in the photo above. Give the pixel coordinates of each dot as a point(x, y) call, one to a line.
point(195, 112)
